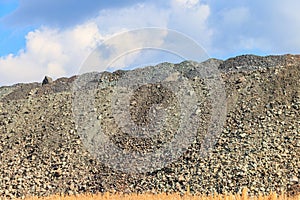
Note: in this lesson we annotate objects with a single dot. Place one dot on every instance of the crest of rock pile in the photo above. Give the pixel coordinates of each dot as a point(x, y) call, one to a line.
point(259, 147)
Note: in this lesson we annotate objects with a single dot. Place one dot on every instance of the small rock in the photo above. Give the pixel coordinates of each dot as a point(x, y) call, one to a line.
point(181, 178)
point(72, 186)
point(294, 179)
point(47, 80)
point(243, 135)
point(240, 80)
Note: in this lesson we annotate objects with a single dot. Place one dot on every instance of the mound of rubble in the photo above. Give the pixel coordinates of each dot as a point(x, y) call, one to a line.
point(43, 153)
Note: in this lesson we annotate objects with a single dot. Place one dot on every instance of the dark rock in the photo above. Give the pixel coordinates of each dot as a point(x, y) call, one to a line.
point(47, 80)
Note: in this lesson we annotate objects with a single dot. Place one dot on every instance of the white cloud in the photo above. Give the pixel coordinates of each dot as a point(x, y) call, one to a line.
point(137, 16)
point(186, 3)
point(284, 27)
point(259, 27)
point(147, 15)
point(190, 17)
point(61, 52)
point(123, 49)
point(50, 52)
point(223, 28)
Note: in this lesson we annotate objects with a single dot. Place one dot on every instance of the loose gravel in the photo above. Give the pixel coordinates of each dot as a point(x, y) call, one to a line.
point(258, 148)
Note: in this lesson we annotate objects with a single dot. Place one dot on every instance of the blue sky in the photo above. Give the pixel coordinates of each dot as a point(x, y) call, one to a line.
point(54, 37)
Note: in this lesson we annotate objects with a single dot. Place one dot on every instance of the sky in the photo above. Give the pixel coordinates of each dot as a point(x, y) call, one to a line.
point(55, 37)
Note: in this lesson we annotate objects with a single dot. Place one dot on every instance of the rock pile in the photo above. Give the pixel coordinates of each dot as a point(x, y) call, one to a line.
point(258, 148)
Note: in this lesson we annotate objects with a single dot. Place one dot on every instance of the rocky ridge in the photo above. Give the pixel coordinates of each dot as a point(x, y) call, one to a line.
point(258, 148)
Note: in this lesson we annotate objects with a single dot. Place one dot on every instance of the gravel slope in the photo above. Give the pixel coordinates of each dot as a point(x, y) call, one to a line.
point(259, 146)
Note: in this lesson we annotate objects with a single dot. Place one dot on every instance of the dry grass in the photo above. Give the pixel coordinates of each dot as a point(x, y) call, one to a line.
point(108, 196)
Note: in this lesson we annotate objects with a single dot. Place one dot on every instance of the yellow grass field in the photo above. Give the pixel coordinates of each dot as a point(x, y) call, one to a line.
point(108, 196)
